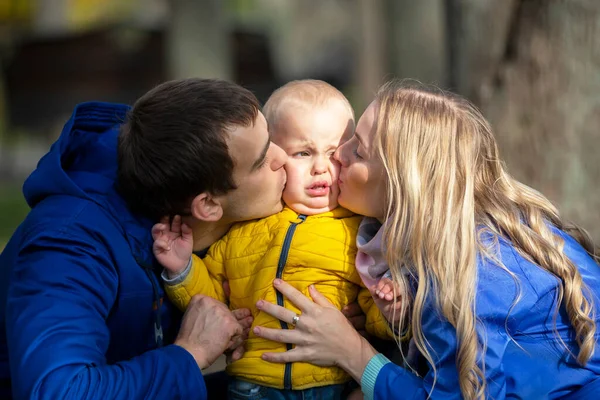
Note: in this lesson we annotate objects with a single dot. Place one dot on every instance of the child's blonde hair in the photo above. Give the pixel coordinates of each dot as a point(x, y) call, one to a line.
point(302, 93)
point(446, 182)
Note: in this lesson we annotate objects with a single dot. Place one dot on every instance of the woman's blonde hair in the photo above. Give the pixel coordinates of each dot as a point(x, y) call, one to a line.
point(445, 183)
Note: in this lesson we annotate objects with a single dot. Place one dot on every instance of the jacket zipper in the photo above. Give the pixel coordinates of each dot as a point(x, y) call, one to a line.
point(287, 377)
point(156, 303)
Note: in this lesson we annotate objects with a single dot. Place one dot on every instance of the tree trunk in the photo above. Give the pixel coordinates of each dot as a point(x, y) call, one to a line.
point(535, 72)
point(198, 40)
point(416, 45)
point(371, 43)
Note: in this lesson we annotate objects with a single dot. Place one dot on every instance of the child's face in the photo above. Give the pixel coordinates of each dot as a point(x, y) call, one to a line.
point(310, 136)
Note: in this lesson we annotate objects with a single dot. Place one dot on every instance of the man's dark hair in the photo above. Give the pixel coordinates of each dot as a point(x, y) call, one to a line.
point(173, 144)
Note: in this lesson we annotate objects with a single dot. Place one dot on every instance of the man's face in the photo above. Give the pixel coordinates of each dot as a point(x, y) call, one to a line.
point(258, 173)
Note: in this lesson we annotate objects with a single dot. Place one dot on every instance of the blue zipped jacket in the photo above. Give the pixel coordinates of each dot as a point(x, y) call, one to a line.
point(523, 358)
point(81, 301)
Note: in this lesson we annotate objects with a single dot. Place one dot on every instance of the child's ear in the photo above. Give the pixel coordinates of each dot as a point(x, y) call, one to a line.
point(207, 208)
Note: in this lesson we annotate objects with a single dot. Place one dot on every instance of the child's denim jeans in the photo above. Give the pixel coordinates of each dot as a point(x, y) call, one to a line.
point(242, 390)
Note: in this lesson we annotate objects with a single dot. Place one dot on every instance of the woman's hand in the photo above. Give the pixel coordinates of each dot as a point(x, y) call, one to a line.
point(322, 336)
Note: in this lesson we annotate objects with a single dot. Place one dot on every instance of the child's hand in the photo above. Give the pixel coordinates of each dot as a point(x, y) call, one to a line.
point(383, 294)
point(173, 245)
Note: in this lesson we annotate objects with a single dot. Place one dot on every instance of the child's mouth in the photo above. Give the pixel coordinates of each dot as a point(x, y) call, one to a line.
point(318, 189)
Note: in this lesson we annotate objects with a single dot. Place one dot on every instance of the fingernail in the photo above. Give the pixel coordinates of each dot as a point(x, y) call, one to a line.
point(256, 330)
point(312, 287)
point(277, 281)
point(259, 303)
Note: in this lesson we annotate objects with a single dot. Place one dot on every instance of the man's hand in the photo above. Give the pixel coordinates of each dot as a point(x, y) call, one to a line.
point(173, 245)
point(208, 329)
point(244, 317)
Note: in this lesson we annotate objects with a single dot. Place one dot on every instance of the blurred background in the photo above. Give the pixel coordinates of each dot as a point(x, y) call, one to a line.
point(533, 66)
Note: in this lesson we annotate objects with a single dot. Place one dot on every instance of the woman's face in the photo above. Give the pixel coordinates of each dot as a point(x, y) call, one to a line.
point(362, 177)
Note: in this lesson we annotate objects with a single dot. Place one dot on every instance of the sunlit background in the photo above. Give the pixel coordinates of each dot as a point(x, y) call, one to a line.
point(533, 66)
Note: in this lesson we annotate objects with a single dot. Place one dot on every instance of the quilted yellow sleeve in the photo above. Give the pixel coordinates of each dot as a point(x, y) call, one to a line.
point(206, 277)
point(376, 323)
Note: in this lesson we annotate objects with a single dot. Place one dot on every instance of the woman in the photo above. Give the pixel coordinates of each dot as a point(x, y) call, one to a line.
point(498, 292)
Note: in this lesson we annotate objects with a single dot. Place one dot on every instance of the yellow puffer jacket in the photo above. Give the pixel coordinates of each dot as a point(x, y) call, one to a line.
point(319, 249)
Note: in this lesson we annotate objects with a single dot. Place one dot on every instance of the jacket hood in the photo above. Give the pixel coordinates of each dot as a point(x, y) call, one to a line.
point(83, 163)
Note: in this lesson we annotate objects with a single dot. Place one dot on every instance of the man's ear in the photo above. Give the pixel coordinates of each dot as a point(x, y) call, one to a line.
point(206, 207)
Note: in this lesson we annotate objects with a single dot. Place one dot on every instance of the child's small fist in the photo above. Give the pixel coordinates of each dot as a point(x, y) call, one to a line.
point(388, 299)
point(173, 244)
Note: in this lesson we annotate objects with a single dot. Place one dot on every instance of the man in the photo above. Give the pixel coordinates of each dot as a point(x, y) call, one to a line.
point(85, 315)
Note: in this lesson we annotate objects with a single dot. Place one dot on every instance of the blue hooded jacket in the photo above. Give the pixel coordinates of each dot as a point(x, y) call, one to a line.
point(79, 294)
point(523, 358)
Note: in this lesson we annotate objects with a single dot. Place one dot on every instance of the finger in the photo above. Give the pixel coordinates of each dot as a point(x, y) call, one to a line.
point(292, 336)
point(387, 288)
point(294, 355)
point(161, 246)
point(380, 284)
point(157, 231)
point(235, 342)
point(241, 313)
point(226, 289)
point(293, 295)
point(389, 296)
point(318, 297)
point(373, 290)
point(246, 333)
point(246, 323)
point(176, 224)
point(237, 353)
point(186, 232)
point(352, 310)
point(282, 314)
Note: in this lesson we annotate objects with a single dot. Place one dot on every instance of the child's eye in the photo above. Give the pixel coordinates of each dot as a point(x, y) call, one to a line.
point(355, 152)
point(302, 154)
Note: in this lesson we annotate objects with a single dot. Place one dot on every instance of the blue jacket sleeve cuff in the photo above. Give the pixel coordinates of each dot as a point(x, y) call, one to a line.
point(189, 377)
point(369, 376)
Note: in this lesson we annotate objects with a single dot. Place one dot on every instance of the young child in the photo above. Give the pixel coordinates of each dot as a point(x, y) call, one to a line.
point(312, 241)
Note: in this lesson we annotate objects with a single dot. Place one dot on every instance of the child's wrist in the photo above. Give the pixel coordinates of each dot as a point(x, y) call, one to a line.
point(172, 274)
point(176, 276)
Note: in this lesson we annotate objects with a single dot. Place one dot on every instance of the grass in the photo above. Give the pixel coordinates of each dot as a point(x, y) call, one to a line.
point(13, 210)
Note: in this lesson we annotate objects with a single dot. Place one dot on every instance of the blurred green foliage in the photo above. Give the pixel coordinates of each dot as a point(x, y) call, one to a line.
point(13, 210)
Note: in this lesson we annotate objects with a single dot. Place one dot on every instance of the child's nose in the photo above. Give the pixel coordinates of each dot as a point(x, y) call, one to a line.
point(320, 166)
